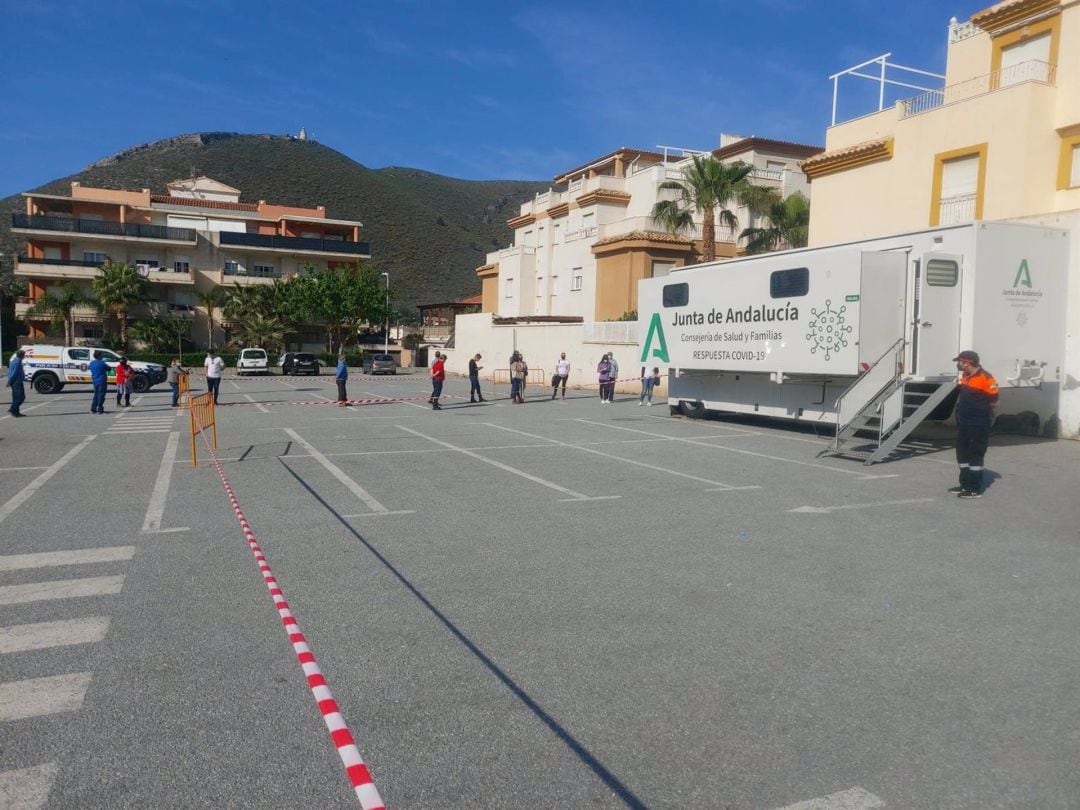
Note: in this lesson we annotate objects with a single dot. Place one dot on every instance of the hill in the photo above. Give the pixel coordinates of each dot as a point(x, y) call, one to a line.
point(428, 231)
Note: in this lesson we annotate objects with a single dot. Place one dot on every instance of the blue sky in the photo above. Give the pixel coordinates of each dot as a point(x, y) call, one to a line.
point(478, 90)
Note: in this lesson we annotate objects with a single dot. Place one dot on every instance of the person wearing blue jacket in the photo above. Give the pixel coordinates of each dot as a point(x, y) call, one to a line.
point(16, 382)
point(99, 376)
point(342, 376)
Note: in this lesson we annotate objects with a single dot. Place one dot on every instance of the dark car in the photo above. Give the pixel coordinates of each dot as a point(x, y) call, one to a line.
point(298, 363)
point(380, 364)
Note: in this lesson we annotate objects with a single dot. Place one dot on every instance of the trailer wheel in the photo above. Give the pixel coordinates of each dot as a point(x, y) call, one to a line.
point(46, 383)
point(692, 410)
point(140, 383)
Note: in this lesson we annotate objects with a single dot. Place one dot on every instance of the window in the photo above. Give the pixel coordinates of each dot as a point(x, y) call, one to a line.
point(554, 286)
point(942, 273)
point(153, 264)
point(1074, 176)
point(181, 266)
point(540, 237)
point(588, 223)
point(789, 283)
point(264, 270)
point(79, 354)
point(539, 287)
point(556, 231)
point(957, 192)
point(529, 239)
point(1069, 160)
point(232, 267)
point(775, 165)
point(93, 257)
point(661, 269)
point(509, 288)
point(676, 295)
point(576, 279)
point(1025, 61)
point(93, 332)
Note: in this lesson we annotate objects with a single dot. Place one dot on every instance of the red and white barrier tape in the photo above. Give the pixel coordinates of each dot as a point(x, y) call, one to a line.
point(355, 769)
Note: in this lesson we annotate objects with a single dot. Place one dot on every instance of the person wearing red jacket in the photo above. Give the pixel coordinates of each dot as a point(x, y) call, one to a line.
point(438, 374)
point(123, 383)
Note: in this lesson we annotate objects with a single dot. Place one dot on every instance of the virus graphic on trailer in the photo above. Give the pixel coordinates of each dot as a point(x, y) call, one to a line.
point(828, 331)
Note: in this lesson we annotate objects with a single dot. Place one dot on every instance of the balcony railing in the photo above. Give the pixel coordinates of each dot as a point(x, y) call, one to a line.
point(957, 210)
point(297, 243)
point(582, 233)
point(524, 250)
point(58, 262)
point(252, 273)
point(101, 227)
point(1032, 70)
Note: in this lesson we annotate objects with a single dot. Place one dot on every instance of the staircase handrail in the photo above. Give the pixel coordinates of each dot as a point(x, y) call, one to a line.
point(871, 383)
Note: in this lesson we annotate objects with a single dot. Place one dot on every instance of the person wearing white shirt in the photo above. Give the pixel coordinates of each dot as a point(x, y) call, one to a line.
point(562, 371)
point(214, 366)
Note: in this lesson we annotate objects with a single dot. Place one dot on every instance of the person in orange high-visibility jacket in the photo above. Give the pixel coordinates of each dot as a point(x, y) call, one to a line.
point(974, 416)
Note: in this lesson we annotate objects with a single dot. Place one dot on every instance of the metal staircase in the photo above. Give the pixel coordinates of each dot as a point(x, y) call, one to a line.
point(882, 407)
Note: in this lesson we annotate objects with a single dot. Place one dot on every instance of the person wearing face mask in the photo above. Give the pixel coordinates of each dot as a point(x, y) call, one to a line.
point(974, 416)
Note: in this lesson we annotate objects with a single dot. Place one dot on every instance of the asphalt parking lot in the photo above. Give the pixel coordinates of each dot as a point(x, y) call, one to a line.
point(558, 604)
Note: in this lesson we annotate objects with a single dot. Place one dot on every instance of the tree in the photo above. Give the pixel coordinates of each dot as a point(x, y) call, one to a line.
point(709, 186)
point(212, 298)
point(788, 227)
point(161, 334)
point(342, 299)
point(58, 304)
point(118, 288)
point(258, 330)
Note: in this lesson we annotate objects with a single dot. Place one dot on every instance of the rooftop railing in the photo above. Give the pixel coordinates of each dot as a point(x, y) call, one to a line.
point(101, 227)
point(1033, 70)
point(297, 243)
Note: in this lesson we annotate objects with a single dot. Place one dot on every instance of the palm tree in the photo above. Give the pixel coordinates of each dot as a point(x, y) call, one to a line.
point(709, 186)
point(259, 330)
point(246, 301)
point(788, 227)
point(118, 288)
point(211, 298)
point(58, 304)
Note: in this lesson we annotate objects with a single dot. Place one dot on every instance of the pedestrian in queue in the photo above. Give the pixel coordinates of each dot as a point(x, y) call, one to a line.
point(123, 383)
point(524, 377)
point(603, 370)
point(16, 382)
point(438, 375)
point(975, 406)
point(562, 371)
point(99, 376)
point(614, 370)
point(214, 367)
point(341, 378)
point(517, 379)
point(172, 377)
point(474, 379)
point(649, 381)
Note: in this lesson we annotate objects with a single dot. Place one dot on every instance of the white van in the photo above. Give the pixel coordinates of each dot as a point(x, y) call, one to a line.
point(252, 361)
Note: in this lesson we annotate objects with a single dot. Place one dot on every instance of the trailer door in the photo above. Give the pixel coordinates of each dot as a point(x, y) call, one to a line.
point(882, 289)
point(937, 314)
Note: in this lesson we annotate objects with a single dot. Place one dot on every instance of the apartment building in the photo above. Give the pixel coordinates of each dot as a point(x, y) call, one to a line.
point(580, 249)
point(196, 236)
point(999, 139)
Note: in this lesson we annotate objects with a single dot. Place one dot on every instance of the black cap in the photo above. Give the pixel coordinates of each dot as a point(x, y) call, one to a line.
point(970, 356)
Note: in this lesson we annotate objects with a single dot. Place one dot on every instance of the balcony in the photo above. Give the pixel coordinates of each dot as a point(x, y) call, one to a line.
point(1032, 70)
point(162, 309)
point(77, 268)
point(131, 230)
point(295, 244)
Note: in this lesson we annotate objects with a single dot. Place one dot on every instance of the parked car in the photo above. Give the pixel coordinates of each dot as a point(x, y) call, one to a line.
point(380, 364)
point(299, 363)
point(252, 361)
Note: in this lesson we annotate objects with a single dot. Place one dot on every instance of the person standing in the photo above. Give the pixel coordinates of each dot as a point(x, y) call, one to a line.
point(562, 371)
point(474, 380)
point(524, 377)
point(603, 370)
point(16, 382)
point(214, 368)
point(172, 377)
point(123, 383)
point(648, 383)
point(99, 376)
point(341, 378)
point(438, 375)
point(974, 416)
point(517, 379)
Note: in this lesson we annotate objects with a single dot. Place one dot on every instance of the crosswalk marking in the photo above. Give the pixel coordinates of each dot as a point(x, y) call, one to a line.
point(43, 635)
point(27, 788)
point(60, 589)
point(80, 556)
point(37, 696)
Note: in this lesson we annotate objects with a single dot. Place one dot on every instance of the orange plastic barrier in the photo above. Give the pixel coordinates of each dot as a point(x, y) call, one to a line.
point(202, 421)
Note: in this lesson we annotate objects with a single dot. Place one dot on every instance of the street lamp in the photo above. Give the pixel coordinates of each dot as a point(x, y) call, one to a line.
point(386, 334)
point(2, 306)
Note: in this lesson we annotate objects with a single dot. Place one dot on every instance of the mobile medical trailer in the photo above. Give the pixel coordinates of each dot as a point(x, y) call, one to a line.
point(862, 335)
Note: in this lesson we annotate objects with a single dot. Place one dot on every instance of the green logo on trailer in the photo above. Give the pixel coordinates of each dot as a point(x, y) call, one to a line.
point(1023, 275)
point(660, 352)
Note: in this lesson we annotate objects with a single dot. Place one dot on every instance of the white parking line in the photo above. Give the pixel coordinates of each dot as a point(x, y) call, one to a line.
point(717, 486)
point(338, 473)
point(60, 589)
point(78, 556)
point(27, 788)
point(574, 496)
point(22, 410)
point(27, 492)
point(20, 469)
point(44, 635)
point(258, 405)
point(155, 510)
point(37, 696)
point(851, 799)
point(825, 510)
point(702, 443)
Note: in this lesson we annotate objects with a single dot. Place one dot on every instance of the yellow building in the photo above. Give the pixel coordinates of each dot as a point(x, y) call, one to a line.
point(1000, 140)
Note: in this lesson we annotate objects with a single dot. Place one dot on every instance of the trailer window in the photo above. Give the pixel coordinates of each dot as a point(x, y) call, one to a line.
point(942, 273)
point(676, 295)
point(789, 283)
